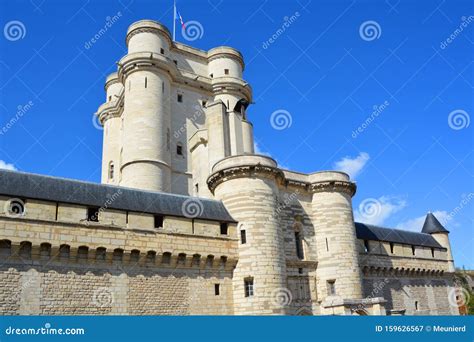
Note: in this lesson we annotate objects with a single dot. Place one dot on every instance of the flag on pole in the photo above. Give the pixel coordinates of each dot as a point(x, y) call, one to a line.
point(180, 19)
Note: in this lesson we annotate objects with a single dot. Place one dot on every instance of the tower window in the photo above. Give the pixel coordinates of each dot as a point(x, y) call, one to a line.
point(391, 247)
point(110, 97)
point(158, 221)
point(412, 250)
point(204, 102)
point(175, 62)
point(211, 75)
point(366, 246)
point(146, 82)
point(163, 87)
point(217, 289)
point(180, 97)
point(243, 237)
point(416, 305)
point(179, 149)
point(93, 214)
point(299, 245)
point(226, 71)
point(162, 51)
point(224, 228)
point(111, 170)
point(248, 286)
point(432, 252)
point(331, 285)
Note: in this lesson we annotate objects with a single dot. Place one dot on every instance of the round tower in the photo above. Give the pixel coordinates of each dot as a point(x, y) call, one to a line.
point(146, 117)
point(109, 116)
point(338, 273)
point(248, 186)
point(433, 227)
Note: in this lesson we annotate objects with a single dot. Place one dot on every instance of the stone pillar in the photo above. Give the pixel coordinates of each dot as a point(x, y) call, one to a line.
point(248, 186)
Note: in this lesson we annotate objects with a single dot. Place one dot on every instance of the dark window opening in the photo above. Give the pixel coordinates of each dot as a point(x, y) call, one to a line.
point(299, 245)
point(134, 255)
point(300, 271)
point(45, 250)
point(158, 221)
point(391, 247)
point(25, 249)
point(111, 170)
point(180, 97)
point(175, 62)
point(151, 256)
point(82, 252)
point(217, 290)
point(226, 71)
point(166, 259)
point(212, 75)
point(179, 150)
point(181, 258)
point(248, 286)
point(93, 214)
point(126, 217)
point(432, 252)
point(196, 188)
point(327, 245)
point(163, 87)
point(204, 103)
point(110, 97)
point(146, 82)
point(366, 246)
point(100, 253)
point(5, 247)
point(118, 254)
point(243, 237)
point(224, 228)
point(64, 251)
point(57, 210)
point(412, 250)
point(162, 51)
point(331, 284)
point(416, 305)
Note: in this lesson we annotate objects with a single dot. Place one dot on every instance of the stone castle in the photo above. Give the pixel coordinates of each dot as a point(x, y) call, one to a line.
point(189, 220)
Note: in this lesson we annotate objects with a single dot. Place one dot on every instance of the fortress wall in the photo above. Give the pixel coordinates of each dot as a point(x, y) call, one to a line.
point(61, 289)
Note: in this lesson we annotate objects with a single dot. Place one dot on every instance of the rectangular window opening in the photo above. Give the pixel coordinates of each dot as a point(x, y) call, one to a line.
point(217, 289)
point(224, 228)
point(391, 247)
point(331, 284)
point(248, 285)
point(180, 98)
point(93, 214)
point(226, 71)
point(243, 237)
point(366, 246)
point(158, 221)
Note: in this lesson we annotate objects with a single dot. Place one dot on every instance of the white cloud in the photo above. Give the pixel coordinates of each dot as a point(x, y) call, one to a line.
point(4, 165)
point(352, 166)
point(416, 224)
point(377, 211)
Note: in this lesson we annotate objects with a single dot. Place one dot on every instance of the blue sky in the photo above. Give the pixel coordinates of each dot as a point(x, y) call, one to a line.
point(381, 89)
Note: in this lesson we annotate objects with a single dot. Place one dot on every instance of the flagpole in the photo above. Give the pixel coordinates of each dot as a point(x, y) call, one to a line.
point(174, 20)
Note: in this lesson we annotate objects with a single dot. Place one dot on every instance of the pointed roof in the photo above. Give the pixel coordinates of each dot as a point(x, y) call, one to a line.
point(432, 225)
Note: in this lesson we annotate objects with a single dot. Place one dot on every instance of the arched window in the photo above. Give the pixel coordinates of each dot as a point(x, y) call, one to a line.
point(111, 170)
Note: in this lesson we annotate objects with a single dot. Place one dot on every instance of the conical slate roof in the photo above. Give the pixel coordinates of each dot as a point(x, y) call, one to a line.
point(432, 225)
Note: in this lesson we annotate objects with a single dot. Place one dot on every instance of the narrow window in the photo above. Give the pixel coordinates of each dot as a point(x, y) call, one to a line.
point(111, 170)
point(224, 228)
point(110, 97)
point(432, 252)
point(163, 87)
point(180, 98)
point(243, 237)
point(248, 285)
point(175, 62)
point(179, 149)
point(204, 103)
point(129, 85)
point(366, 246)
point(327, 245)
point(416, 305)
point(158, 221)
point(391, 247)
point(217, 289)
point(126, 217)
point(93, 214)
point(57, 210)
point(299, 245)
point(196, 188)
point(412, 250)
point(162, 51)
point(212, 75)
point(146, 82)
point(300, 270)
point(331, 285)
point(226, 71)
